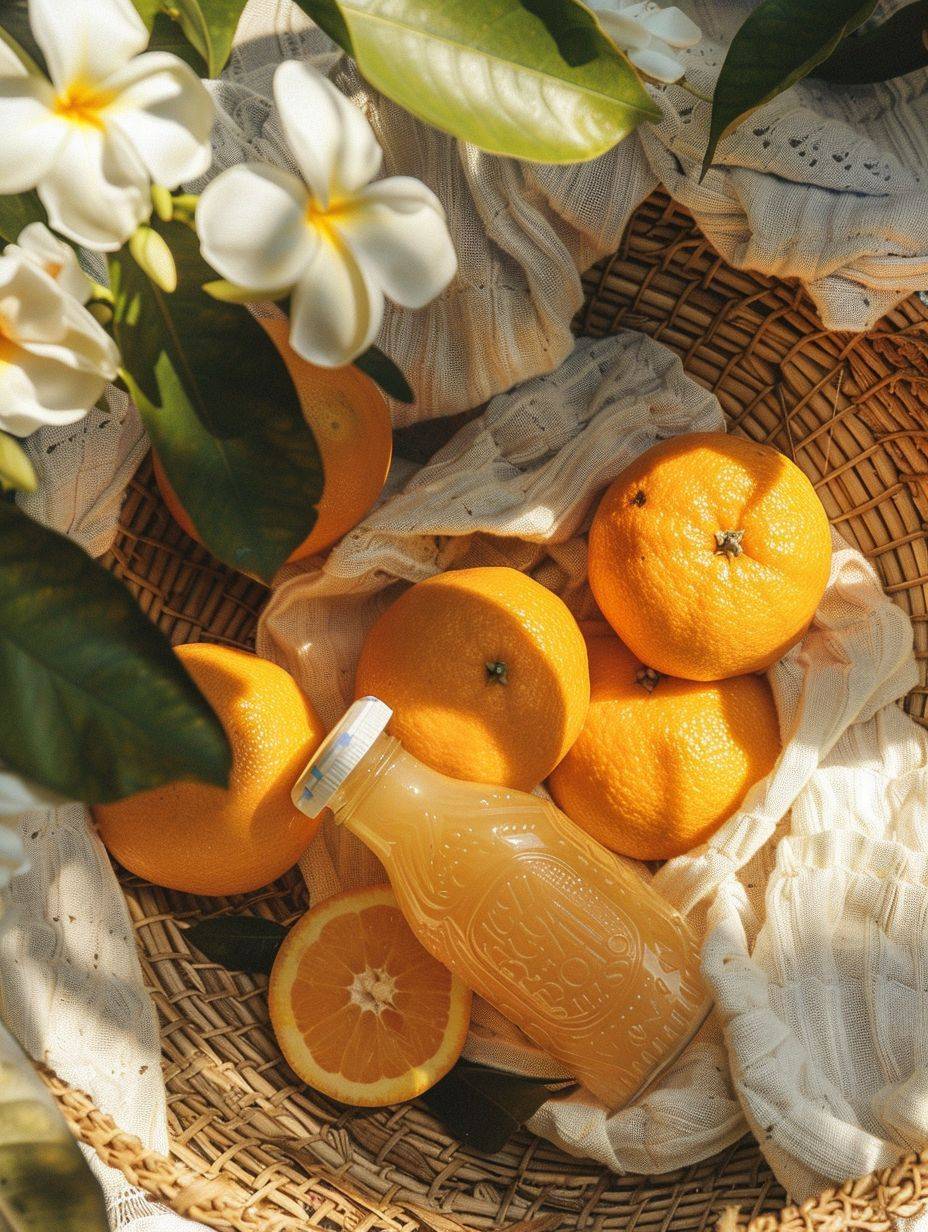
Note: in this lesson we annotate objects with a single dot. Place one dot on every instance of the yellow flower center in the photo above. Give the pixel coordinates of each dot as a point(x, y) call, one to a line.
point(323, 218)
point(84, 104)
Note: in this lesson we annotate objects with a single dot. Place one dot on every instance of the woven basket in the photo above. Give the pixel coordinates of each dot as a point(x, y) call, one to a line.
point(253, 1149)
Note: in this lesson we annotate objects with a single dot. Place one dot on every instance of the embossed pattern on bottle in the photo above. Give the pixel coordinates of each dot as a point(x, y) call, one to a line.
point(564, 938)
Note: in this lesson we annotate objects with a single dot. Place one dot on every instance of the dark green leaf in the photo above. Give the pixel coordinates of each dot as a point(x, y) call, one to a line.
point(45, 1182)
point(239, 942)
point(166, 35)
point(93, 702)
point(484, 1107)
point(328, 17)
point(221, 410)
point(780, 42)
point(17, 212)
point(897, 46)
point(384, 372)
point(199, 31)
point(210, 26)
point(511, 76)
point(148, 10)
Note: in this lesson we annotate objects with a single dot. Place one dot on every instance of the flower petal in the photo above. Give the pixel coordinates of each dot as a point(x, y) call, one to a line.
point(84, 346)
point(31, 303)
point(332, 142)
point(86, 39)
point(397, 231)
point(673, 27)
point(167, 115)
point(36, 390)
point(39, 317)
point(336, 310)
point(252, 222)
point(656, 64)
point(45, 250)
point(32, 133)
point(96, 192)
point(624, 31)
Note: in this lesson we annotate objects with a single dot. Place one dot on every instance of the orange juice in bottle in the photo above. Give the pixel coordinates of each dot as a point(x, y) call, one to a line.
point(564, 938)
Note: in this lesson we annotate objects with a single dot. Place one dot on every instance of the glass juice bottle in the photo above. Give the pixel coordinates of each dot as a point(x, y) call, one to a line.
point(564, 938)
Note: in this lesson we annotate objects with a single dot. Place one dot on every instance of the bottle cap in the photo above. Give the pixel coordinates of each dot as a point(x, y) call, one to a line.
point(340, 753)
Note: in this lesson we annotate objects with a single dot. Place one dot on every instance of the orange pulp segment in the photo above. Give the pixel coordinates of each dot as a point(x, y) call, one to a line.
point(361, 1011)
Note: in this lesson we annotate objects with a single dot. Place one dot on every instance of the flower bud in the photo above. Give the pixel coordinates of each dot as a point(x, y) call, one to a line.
point(155, 258)
point(161, 200)
point(101, 313)
point(16, 470)
point(229, 293)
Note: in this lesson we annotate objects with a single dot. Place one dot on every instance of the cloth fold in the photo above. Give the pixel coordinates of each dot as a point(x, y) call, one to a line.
point(824, 184)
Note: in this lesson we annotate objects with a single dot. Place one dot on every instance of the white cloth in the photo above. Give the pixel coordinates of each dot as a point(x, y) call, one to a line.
point(827, 185)
point(815, 946)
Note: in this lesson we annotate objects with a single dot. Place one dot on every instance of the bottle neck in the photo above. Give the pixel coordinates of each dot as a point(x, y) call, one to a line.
point(376, 763)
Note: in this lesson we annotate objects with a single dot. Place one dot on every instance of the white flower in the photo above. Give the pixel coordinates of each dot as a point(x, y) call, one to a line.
point(650, 35)
point(108, 123)
point(338, 241)
point(54, 358)
point(40, 247)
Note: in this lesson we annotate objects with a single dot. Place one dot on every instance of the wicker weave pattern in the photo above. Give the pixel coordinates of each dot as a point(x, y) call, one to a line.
point(852, 411)
point(873, 1203)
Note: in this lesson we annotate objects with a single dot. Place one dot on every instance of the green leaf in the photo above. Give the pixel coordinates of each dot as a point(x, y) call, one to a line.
point(328, 17)
point(166, 35)
point(16, 471)
point(239, 942)
point(17, 212)
point(484, 1107)
point(148, 10)
point(780, 42)
point(45, 1182)
point(384, 372)
point(210, 26)
point(897, 46)
point(201, 32)
point(94, 704)
point(534, 79)
point(221, 409)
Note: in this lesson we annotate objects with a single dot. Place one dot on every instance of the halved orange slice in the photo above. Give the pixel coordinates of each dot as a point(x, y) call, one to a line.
point(361, 1011)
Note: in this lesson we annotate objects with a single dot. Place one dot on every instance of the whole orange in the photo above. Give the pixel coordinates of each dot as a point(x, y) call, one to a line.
point(486, 672)
point(212, 840)
point(709, 556)
point(662, 762)
point(351, 423)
